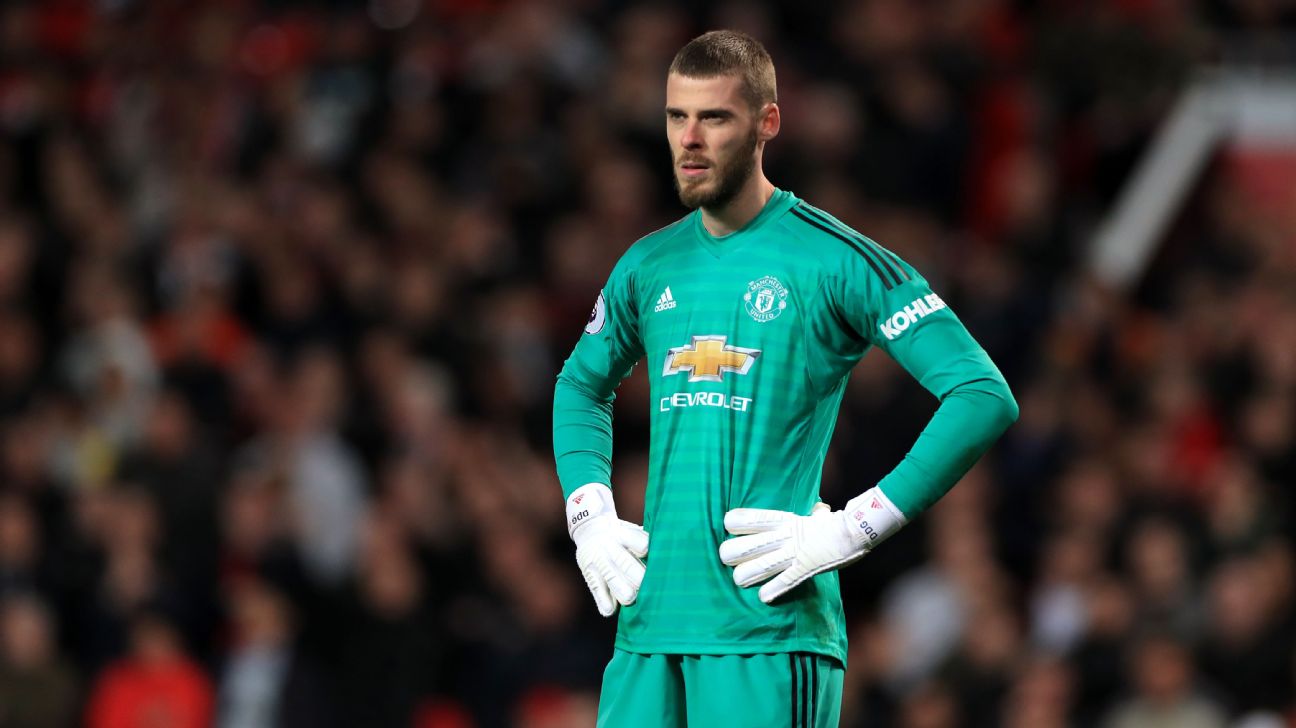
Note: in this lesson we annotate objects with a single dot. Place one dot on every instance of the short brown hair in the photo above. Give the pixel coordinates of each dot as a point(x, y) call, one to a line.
point(725, 52)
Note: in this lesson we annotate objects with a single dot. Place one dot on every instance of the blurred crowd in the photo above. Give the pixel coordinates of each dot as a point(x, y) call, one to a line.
point(284, 287)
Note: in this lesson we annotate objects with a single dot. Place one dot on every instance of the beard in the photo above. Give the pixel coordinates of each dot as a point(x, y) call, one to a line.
point(727, 179)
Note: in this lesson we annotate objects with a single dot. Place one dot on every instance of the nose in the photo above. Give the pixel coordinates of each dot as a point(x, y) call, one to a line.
point(691, 139)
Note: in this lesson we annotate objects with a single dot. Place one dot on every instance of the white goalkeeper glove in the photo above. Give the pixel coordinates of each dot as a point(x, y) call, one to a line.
point(608, 549)
point(792, 548)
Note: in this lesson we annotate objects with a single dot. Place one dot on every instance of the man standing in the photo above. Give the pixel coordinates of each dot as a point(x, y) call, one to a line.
point(751, 310)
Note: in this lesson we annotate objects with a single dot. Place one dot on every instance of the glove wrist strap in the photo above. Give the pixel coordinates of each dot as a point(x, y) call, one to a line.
point(586, 502)
point(872, 518)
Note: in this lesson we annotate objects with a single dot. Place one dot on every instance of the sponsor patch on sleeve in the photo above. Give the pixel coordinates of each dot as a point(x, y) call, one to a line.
point(597, 317)
point(900, 321)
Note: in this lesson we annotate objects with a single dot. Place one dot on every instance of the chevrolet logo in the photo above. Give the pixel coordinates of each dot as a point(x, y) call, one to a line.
point(708, 358)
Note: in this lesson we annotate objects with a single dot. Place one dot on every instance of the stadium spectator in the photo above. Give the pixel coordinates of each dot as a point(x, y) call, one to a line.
point(266, 680)
point(38, 688)
point(1165, 692)
point(155, 682)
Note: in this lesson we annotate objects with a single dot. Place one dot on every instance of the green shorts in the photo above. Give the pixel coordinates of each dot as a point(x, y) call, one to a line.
point(786, 690)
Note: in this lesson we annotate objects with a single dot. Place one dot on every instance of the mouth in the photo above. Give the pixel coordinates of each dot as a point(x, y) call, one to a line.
point(693, 169)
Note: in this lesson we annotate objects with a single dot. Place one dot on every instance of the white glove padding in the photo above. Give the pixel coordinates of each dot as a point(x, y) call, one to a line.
point(792, 548)
point(608, 549)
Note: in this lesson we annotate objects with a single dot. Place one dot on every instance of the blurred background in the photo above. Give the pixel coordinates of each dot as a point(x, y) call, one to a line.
point(284, 287)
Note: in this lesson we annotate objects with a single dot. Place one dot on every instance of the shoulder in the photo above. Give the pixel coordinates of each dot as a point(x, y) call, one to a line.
point(644, 248)
point(622, 281)
point(841, 248)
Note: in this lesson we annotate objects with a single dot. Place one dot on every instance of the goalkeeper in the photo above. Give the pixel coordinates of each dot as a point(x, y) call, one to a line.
point(751, 312)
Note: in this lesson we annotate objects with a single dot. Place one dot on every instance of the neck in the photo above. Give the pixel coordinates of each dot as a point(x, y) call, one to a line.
point(739, 211)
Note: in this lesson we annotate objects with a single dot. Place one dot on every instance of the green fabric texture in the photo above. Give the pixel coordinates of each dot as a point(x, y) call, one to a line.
point(799, 690)
point(749, 340)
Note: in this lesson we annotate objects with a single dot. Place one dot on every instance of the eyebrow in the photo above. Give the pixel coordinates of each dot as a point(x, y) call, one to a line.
point(704, 113)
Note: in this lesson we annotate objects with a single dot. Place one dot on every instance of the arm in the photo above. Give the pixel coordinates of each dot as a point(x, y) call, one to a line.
point(582, 431)
point(583, 395)
point(608, 550)
point(915, 327)
point(975, 408)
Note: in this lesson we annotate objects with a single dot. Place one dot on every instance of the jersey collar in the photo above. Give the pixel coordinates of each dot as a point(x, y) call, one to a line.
point(722, 245)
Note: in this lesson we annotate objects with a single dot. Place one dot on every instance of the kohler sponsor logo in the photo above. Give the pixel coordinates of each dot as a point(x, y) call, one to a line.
point(901, 320)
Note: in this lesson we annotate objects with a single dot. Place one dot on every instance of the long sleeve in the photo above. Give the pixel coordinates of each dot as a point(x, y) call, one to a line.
point(583, 395)
point(582, 432)
point(975, 408)
point(899, 314)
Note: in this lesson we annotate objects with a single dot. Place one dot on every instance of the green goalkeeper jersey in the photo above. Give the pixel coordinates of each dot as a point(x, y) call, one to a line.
point(749, 339)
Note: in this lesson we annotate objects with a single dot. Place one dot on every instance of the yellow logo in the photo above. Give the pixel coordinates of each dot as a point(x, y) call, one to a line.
point(708, 358)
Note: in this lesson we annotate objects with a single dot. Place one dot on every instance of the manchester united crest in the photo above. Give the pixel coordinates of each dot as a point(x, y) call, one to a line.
point(765, 299)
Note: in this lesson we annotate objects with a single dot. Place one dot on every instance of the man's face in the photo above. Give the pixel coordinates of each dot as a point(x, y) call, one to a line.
point(713, 134)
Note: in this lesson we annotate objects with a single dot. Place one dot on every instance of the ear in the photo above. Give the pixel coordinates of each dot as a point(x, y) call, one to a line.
point(770, 121)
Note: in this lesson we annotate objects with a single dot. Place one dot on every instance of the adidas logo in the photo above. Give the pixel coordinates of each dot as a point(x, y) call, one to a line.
point(665, 302)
